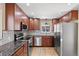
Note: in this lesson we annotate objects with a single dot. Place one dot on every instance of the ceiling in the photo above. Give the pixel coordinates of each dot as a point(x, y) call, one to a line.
point(46, 10)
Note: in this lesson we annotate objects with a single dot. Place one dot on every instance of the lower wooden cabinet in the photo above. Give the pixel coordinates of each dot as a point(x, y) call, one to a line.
point(19, 52)
point(47, 41)
point(25, 49)
point(22, 51)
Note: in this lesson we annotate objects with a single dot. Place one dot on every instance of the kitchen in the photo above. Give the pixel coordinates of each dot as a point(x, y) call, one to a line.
point(32, 36)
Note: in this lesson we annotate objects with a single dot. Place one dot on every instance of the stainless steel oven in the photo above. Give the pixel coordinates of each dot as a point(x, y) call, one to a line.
point(18, 36)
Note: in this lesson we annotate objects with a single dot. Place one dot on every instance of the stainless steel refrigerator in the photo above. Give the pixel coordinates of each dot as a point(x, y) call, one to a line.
point(69, 39)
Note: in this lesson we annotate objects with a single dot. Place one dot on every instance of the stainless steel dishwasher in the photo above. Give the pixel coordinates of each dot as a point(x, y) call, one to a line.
point(38, 41)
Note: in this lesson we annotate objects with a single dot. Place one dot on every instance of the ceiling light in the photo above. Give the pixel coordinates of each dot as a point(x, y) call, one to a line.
point(18, 13)
point(28, 4)
point(69, 4)
point(32, 13)
point(24, 17)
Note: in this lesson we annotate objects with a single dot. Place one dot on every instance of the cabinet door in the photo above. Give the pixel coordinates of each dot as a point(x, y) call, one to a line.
point(36, 24)
point(17, 24)
point(27, 22)
point(19, 52)
point(17, 18)
point(22, 51)
point(31, 25)
point(25, 49)
point(74, 14)
point(66, 18)
point(10, 10)
point(47, 41)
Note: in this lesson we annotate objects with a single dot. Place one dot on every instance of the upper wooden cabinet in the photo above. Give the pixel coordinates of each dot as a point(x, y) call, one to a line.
point(17, 19)
point(14, 16)
point(74, 15)
point(66, 18)
point(10, 10)
point(34, 24)
point(71, 16)
point(55, 21)
point(31, 24)
point(20, 17)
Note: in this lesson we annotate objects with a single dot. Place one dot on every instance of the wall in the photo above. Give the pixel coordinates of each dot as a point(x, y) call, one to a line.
point(78, 39)
point(1, 10)
point(3, 17)
point(5, 36)
point(78, 33)
point(8, 36)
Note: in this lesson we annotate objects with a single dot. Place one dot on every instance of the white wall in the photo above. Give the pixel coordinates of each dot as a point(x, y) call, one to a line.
point(3, 17)
point(1, 14)
point(78, 39)
point(8, 36)
point(5, 36)
point(78, 32)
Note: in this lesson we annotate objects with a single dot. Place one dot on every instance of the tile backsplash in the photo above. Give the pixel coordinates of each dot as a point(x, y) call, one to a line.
point(7, 36)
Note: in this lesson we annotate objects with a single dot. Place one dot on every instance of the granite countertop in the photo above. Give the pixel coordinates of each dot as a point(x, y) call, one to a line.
point(10, 48)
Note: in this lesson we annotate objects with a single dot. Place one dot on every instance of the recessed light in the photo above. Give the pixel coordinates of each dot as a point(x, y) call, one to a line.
point(32, 13)
point(24, 17)
point(18, 13)
point(69, 4)
point(28, 4)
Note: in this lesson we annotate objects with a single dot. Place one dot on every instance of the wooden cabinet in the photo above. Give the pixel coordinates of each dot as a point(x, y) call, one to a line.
point(14, 16)
point(17, 19)
point(66, 18)
point(55, 21)
point(26, 49)
point(22, 51)
point(19, 52)
point(47, 41)
point(20, 17)
point(71, 16)
point(26, 22)
point(74, 15)
point(34, 24)
point(31, 24)
point(10, 10)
